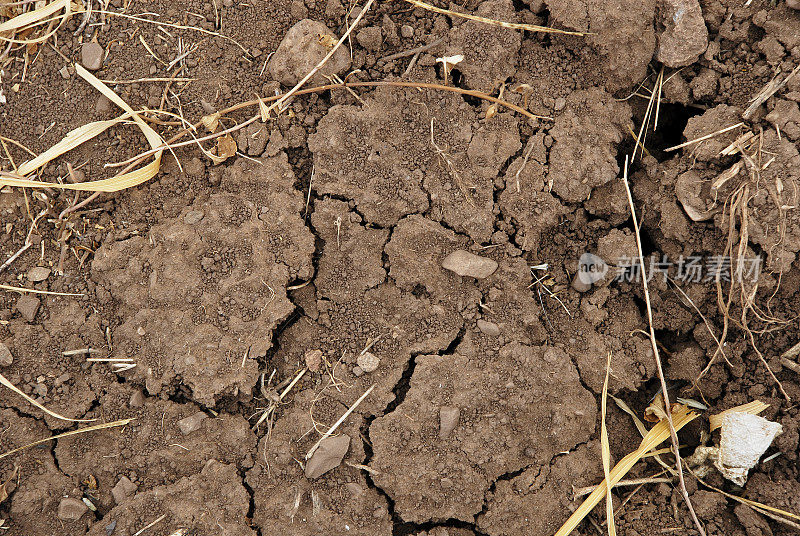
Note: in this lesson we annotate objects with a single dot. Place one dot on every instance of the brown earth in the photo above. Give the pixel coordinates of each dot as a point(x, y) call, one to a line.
point(321, 245)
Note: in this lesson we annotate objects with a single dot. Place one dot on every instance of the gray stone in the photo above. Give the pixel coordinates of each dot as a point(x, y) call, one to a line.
point(104, 107)
point(137, 399)
point(465, 263)
point(329, 455)
point(38, 273)
point(6, 359)
point(92, 56)
point(70, 509)
point(124, 489)
point(189, 424)
point(368, 362)
point(301, 51)
point(685, 35)
point(448, 420)
point(580, 285)
point(27, 306)
point(488, 328)
point(193, 216)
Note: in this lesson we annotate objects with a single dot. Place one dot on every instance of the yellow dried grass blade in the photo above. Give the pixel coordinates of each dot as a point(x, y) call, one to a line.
point(606, 453)
point(87, 132)
point(754, 408)
point(23, 290)
point(4, 381)
point(73, 139)
point(477, 18)
point(32, 17)
point(122, 422)
point(657, 435)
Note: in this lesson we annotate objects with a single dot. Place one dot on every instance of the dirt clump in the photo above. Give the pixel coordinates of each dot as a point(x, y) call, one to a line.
point(355, 156)
point(450, 476)
point(489, 52)
point(187, 502)
point(338, 502)
point(197, 296)
point(585, 138)
point(622, 35)
point(419, 245)
point(155, 438)
point(684, 36)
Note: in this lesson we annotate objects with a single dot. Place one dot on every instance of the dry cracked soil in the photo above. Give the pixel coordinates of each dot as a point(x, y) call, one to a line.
point(417, 243)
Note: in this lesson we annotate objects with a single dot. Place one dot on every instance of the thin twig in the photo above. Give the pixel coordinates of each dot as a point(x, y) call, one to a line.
point(333, 428)
point(667, 406)
point(411, 51)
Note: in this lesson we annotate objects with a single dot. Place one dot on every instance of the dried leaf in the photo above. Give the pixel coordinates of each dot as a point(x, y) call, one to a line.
point(263, 110)
point(657, 435)
point(4, 489)
point(85, 133)
point(226, 147)
point(210, 122)
point(326, 40)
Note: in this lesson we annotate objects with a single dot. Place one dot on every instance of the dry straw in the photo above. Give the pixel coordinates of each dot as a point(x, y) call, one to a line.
point(85, 133)
point(657, 435)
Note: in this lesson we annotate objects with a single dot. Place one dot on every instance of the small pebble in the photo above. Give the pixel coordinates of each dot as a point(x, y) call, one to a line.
point(6, 359)
point(40, 390)
point(191, 423)
point(64, 72)
point(38, 273)
point(137, 399)
point(368, 362)
point(27, 306)
point(448, 419)
point(193, 216)
point(407, 31)
point(70, 509)
point(313, 360)
point(580, 285)
point(465, 263)
point(123, 489)
point(488, 328)
point(103, 106)
point(92, 56)
point(329, 455)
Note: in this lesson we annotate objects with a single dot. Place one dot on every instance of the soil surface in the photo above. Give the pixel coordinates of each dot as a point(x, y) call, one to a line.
point(417, 243)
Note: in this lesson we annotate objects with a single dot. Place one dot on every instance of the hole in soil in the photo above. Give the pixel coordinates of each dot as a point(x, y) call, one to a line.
point(519, 5)
point(648, 245)
point(672, 119)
